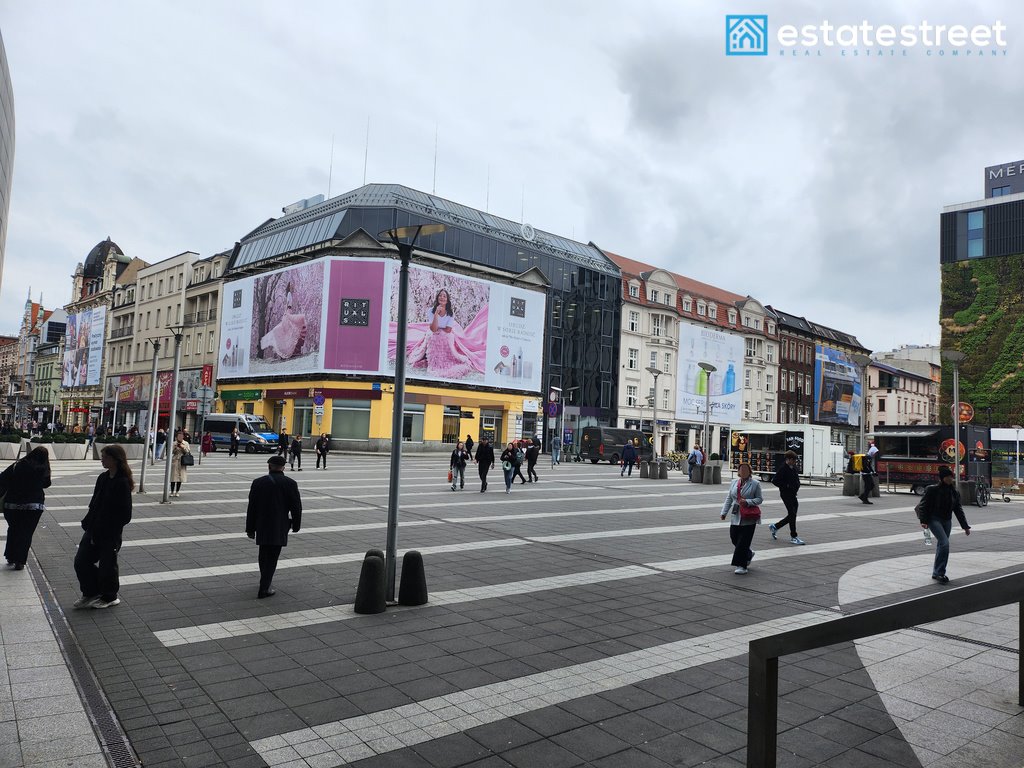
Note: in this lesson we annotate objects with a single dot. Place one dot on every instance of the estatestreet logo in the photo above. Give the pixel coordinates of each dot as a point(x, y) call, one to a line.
point(747, 35)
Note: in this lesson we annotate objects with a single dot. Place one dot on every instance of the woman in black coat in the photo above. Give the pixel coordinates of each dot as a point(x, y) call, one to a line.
point(23, 482)
point(110, 510)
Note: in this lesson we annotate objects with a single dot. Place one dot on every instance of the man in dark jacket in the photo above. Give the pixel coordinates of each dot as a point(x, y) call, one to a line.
point(469, 446)
point(484, 461)
point(628, 458)
point(787, 480)
point(295, 452)
point(282, 442)
point(23, 483)
point(274, 507)
point(532, 454)
point(867, 473)
point(935, 512)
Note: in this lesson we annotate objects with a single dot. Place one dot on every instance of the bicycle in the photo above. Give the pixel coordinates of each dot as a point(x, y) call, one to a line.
point(983, 494)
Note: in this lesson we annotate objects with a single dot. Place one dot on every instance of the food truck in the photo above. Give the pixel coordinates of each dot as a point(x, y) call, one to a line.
point(912, 455)
point(764, 446)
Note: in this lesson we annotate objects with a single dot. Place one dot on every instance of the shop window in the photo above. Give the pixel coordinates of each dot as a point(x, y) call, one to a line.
point(412, 423)
point(451, 424)
point(302, 416)
point(350, 419)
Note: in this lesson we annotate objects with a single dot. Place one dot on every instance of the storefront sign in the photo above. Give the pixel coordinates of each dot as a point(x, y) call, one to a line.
point(286, 394)
point(191, 405)
point(531, 406)
point(206, 377)
point(242, 394)
point(467, 415)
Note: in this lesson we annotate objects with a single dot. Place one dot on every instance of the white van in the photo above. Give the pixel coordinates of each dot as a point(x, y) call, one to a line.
point(254, 434)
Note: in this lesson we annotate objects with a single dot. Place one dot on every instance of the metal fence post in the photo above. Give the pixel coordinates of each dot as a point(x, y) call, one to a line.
point(762, 709)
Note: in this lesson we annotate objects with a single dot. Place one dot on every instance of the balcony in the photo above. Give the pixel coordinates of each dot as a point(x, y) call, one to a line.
point(120, 333)
point(204, 316)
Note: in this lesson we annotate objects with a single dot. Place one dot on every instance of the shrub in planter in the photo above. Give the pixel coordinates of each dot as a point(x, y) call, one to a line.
point(10, 438)
point(46, 439)
point(120, 439)
point(715, 457)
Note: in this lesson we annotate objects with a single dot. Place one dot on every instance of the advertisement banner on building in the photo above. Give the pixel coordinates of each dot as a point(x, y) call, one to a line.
point(340, 315)
point(83, 348)
point(703, 344)
point(134, 388)
point(836, 387)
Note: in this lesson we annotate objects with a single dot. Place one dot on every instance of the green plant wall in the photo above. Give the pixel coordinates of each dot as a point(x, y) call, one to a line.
point(982, 315)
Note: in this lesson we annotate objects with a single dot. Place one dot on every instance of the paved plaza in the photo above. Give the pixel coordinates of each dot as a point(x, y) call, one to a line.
point(585, 620)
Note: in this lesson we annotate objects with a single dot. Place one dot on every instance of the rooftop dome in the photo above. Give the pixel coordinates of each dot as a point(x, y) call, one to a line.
point(98, 255)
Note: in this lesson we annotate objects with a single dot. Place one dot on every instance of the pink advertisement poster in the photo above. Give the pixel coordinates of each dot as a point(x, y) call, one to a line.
point(354, 315)
point(285, 330)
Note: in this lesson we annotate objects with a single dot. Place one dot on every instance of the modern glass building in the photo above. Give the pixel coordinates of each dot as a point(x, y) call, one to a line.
point(583, 294)
point(6, 149)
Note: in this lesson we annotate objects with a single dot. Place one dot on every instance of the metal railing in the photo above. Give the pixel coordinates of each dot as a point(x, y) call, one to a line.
point(763, 684)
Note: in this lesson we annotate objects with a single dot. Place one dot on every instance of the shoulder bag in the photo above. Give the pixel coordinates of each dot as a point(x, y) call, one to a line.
point(187, 460)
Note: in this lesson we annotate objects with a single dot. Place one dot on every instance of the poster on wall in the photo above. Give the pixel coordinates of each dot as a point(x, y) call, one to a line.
point(271, 323)
point(725, 351)
point(340, 315)
point(465, 330)
point(836, 387)
point(83, 348)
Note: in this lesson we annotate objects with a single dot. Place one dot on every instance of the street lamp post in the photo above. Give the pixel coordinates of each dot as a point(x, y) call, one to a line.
point(396, 236)
point(1016, 454)
point(708, 369)
point(153, 417)
point(956, 358)
point(655, 372)
point(178, 331)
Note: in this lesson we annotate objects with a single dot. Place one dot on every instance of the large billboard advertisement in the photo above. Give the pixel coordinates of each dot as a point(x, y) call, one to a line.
point(836, 387)
point(83, 348)
point(340, 315)
point(701, 344)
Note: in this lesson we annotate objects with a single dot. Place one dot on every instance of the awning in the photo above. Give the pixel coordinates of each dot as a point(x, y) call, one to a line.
point(759, 431)
point(921, 433)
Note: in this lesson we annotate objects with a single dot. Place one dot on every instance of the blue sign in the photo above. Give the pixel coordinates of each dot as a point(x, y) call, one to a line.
point(746, 35)
point(376, 386)
point(318, 399)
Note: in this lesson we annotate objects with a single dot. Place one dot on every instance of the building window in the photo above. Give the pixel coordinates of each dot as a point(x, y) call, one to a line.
point(656, 325)
point(702, 308)
point(188, 346)
point(633, 359)
point(713, 311)
point(732, 317)
point(769, 382)
point(350, 419)
point(634, 291)
point(751, 347)
point(975, 234)
point(800, 352)
point(757, 324)
point(881, 405)
point(654, 360)
point(209, 347)
point(746, 377)
point(687, 304)
point(631, 395)
point(654, 296)
point(664, 398)
point(1000, 191)
point(771, 328)
point(634, 322)
point(668, 363)
point(769, 353)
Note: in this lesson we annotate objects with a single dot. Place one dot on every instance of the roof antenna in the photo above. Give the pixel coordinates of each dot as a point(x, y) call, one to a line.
point(366, 152)
point(522, 205)
point(433, 189)
point(487, 199)
point(330, 172)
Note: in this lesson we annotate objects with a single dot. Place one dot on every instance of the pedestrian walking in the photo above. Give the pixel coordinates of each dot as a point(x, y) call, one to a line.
point(234, 440)
point(207, 444)
point(274, 507)
point(743, 504)
point(295, 453)
point(322, 448)
point(469, 446)
point(110, 510)
point(484, 461)
point(508, 465)
point(21, 485)
point(867, 472)
point(935, 512)
point(457, 466)
point(628, 458)
point(180, 464)
point(556, 450)
point(532, 454)
point(787, 480)
point(694, 459)
point(520, 457)
point(161, 444)
point(282, 442)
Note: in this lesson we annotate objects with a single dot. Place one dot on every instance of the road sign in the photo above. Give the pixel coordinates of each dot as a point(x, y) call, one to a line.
point(318, 400)
point(204, 393)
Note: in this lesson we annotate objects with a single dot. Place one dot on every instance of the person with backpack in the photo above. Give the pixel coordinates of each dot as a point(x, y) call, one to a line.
point(695, 459)
point(24, 503)
point(628, 458)
point(935, 512)
point(787, 480)
point(457, 466)
point(295, 453)
point(867, 471)
point(517, 462)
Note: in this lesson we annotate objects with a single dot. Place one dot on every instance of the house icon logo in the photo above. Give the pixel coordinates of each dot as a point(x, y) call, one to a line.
point(746, 35)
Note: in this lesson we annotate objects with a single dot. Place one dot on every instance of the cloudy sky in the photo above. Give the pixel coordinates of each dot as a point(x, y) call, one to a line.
point(813, 183)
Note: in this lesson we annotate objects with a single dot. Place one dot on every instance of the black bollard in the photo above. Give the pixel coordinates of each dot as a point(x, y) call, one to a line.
point(413, 588)
point(375, 553)
point(371, 593)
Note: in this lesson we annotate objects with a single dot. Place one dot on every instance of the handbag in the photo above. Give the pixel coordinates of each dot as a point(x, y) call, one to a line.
point(750, 512)
point(187, 460)
point(450, 475)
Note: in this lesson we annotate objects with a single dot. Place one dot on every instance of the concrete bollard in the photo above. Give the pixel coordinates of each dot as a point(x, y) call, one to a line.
point(645, 469)
point(371, 595)
point(413, 588)
point(663, 471)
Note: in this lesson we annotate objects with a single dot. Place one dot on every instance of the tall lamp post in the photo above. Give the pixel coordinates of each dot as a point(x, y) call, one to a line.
point(655, 372)
point(178, 331)
point(862, 361)
point(153, 417)
point(708, 369)
point(410, 235)
point(955, 357)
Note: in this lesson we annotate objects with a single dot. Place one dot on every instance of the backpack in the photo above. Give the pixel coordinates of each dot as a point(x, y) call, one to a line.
point(519, 457)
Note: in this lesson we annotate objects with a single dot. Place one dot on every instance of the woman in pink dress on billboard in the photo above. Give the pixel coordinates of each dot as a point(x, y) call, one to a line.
point(286, 338)
point(445, 351)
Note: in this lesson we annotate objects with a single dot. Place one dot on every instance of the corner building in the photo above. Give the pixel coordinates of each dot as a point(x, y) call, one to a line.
point(309, 317)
